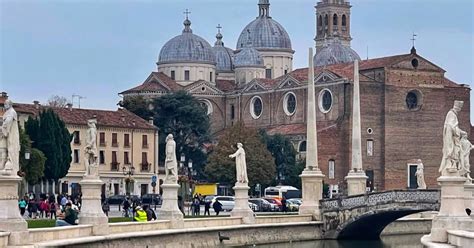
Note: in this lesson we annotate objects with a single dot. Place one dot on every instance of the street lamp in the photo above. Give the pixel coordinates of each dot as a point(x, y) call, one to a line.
point(128, 171)
point(27, 154)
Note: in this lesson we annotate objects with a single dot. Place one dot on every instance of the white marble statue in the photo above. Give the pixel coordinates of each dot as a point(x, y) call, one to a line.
point(451, 161)
point(90, 150)
point(466, 148)
point(9, 142)
point(420, 175)
point(171, 163)
point(240, 164)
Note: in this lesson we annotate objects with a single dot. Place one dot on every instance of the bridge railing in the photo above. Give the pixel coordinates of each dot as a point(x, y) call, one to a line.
point(376, 198)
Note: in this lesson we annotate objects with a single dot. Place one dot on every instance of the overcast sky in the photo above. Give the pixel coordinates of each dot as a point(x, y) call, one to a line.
point(99, 48)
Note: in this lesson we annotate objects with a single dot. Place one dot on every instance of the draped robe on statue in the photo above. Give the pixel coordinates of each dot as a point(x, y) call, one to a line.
point(241, 165)
point(451, 143)
point(11, 133)
point(171, 163)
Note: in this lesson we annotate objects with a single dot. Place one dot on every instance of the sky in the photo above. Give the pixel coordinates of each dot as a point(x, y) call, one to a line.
point(98, 48)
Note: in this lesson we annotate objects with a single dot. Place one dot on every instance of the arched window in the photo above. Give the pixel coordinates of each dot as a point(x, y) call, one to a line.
point(326, 20)
point(320, 21)
point(302, 146)
point(343, 23)
point(332, 168)
point(334, 20)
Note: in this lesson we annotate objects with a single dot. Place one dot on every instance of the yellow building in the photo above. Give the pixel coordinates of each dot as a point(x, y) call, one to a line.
point(125, 142)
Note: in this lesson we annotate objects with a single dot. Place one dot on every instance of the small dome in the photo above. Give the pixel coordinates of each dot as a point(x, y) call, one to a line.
point(265, 32)
point(223, 55)
point(248, 57)
point(187, 47)
point(335, 53)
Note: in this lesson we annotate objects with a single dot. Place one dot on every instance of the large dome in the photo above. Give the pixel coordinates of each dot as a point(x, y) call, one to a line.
point(264, 32)
point(248, 57)
point(188, 48)
point(223, 55)
point(335, 53)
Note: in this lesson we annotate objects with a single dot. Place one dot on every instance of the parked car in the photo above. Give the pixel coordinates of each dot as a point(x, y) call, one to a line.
point(262, 204)
point(275, 204)
point(293, 204)
point(208, 198)
point(151, 199)
point(228, 202)
point(254, 207)
point(116, 199)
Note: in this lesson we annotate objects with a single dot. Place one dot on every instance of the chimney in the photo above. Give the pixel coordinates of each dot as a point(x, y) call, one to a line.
point(37, 104)
point(150, 120)
point(69, 106)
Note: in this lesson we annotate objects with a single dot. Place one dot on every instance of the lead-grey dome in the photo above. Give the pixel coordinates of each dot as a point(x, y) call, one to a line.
point(248, 57)
point(187, 47)
point(335, 53)
point(265, 32)
point(224, 55)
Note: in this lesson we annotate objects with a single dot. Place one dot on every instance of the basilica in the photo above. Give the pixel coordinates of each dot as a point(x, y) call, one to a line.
point(404, 98)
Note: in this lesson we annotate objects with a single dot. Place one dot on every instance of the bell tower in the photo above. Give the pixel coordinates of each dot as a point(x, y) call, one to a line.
point(333, 20)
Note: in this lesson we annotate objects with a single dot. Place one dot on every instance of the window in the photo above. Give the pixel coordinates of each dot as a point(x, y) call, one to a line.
point(76, 156)
point(326, 20)
point(206, 105)
point(412, 184)
point(114, 164)
point(286, 71)
point(145, 166)
point(186, 75)
point(114, 140)
point(232, 112)
point(145, 141)
point(173, 75)
point(320, 21)
point(77, 139)
point(126, 140)
point(101, 157)
point(256, 107)
point(414, 63)
point(325, 101)
point(370, 148)
point(343, 22)
point(289, 103)
point(332, 168)
point(334, 20)
point(126, 159)
point(210, 76)
point(102, 139)
point(114, 157)
point(302, 146)
point(412, 100)
point(268, 73)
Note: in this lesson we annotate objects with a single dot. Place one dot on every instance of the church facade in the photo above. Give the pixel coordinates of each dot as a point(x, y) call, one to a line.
point(404, 97)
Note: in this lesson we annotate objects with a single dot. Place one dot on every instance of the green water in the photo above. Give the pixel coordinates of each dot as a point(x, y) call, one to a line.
point(393, 241)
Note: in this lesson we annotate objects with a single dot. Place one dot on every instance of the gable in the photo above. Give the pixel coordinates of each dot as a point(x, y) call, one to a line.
point(325, 77)
point(254, 86)
point(288, 83)
point(203, 88)
point(156, 81)
point(416, 62)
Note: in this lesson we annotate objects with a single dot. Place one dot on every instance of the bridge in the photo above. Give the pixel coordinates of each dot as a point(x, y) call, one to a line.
point(365, 216)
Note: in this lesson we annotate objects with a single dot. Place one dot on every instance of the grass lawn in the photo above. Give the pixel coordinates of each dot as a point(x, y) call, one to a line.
point(42, 223)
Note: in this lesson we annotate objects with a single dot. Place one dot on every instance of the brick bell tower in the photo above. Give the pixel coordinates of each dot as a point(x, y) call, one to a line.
point(333, 19)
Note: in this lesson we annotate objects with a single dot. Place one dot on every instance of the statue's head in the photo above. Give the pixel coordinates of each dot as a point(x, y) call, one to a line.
point(91, 123)
point(239, 145)
point(458, 105)
point(169, 137)
point(8, 104)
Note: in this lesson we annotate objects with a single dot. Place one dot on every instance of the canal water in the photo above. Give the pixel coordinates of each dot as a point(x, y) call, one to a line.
point(392, 241)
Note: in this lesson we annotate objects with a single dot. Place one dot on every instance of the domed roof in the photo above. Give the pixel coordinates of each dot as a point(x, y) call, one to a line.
point(248, 57)
point(187, 47)
point(223, 55)
point(265, 32)
point(335, 53)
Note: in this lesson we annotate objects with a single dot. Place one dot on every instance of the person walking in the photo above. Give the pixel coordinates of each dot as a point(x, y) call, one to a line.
point(196, 207)
point(126, 207)
point(284, 208)
point(52, 209)
point(106, 207)
point(207, 207)
point(217, 207)
point(32, 208)
point(22, 205)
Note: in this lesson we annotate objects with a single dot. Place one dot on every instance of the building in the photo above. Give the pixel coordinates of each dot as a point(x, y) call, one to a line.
point(404, 97)
point(124, 141)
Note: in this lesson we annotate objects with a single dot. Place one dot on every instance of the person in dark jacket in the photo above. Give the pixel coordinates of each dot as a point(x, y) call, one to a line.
point(283, 205)
point(217, 207)
point(207, 207)
point(126, 207)
point(150, 214)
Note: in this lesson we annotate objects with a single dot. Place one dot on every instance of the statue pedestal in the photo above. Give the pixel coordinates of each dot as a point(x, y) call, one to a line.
point(452, 214)
point(469, 194)
point(169, 209)
point(91, 210)
point(356, 182)
point(241, 208)
point(10, 218)
point(312, 189)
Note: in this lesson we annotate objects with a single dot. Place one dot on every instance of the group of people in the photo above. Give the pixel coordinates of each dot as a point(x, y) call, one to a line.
point(198, 200)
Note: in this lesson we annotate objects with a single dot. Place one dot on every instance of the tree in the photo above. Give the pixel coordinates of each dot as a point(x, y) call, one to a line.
point(33, 168)
point(57, 101)
point(139, 106)
point(284, 154)
point(50, 135)
point(260, 164)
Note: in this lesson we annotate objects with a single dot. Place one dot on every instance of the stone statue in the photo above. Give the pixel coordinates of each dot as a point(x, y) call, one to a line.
point(240, 164)
point(9, 141)
point(171, 163)
point(466, 148)
point(451, 161)
point(420, 175)
point(90, 159)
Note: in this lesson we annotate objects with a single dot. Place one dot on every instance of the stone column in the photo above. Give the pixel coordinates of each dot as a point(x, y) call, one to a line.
point(241, 208)
point(10, 218)
point(169, 208)
point(91, 210)
point(452, 214)
point(356, 178)
point(311, 177)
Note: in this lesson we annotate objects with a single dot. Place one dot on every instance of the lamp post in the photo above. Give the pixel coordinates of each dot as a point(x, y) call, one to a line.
point(190, 177)
point(128, 171)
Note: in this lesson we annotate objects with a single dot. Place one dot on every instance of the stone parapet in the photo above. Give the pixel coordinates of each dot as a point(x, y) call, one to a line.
point(125, 227)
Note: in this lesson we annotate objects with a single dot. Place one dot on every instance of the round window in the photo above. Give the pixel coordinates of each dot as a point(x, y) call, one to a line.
point(289, 104)
point(256, 107)
point(325, 101)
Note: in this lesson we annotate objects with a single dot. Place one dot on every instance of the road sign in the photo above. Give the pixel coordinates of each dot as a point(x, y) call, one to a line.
point(153, 184)
point(153, 179)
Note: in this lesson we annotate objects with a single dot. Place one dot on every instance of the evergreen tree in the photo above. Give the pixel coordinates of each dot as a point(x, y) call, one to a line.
point(33, 168)
point(139, 106)
point(260, 163)
point(50, 135)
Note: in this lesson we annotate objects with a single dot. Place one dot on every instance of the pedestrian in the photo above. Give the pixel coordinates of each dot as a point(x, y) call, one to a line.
point(63, 202)
point(150, 214)
point(126, 207)
point(32, 208)
point(106, 207)
point(284, 208)
point(43, 208)
point(68, 218)
point(140, 215)
point(207, 206)
point(196, 207)
point(52, 209)
point(22, 205)
point(217, 207)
